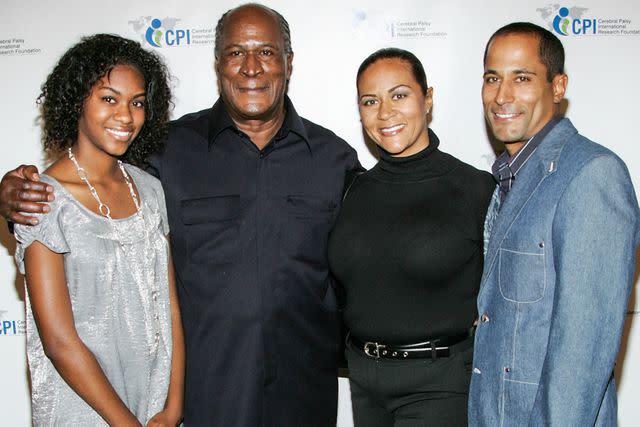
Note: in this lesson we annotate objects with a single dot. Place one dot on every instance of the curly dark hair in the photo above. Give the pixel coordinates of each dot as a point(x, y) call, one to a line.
point(81, 67)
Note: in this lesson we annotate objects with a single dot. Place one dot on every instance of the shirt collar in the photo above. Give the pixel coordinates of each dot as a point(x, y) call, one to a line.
point(520, 157)
point(220, 121)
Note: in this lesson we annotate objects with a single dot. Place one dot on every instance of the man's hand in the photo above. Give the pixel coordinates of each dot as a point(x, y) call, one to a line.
point(22, 192)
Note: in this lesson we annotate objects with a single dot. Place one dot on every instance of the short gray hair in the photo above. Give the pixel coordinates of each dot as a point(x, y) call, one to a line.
point(285, 32)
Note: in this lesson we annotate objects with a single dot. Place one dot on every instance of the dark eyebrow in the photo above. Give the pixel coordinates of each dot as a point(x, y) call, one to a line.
point(523, 71)
point(117, 92)
point(241, 46)
point(516, 71)
point(389, 91)
point(396, 87)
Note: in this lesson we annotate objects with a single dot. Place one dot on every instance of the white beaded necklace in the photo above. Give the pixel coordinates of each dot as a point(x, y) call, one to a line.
point(102, 208)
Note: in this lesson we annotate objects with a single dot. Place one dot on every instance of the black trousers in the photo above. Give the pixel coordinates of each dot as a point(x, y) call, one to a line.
point(410, 393)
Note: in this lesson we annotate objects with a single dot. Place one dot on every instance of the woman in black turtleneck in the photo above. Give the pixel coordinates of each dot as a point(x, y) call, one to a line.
point(407, 248)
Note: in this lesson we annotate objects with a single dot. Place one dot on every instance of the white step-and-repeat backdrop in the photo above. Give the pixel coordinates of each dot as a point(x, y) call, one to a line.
point(330, 39)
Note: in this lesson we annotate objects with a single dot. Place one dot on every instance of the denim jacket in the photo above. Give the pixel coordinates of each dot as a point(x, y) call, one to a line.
point(558, 270)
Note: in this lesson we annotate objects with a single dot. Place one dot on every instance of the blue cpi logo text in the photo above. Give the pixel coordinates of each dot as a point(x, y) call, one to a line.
point(564, 24)
point(156, 35)
point(12, 327)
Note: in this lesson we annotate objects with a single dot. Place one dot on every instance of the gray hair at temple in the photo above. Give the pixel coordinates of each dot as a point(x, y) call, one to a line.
point(285, 32)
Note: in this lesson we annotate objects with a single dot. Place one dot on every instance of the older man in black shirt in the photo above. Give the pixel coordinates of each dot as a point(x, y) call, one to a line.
point(252, 192)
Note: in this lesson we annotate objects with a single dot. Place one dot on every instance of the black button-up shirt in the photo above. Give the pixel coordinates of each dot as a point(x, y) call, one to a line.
point(249, 234)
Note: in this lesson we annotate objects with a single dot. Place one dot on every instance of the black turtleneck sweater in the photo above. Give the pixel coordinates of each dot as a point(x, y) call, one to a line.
point(407, 247)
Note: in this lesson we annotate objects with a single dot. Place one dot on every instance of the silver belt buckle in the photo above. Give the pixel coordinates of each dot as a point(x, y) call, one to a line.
point(373, 352)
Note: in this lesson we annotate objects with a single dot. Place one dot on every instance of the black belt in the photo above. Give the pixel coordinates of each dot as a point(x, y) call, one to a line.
point(434, 348)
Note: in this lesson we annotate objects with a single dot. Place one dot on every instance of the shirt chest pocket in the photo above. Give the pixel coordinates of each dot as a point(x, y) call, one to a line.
point(212, 225)
point(309, 221)
point(521, 274)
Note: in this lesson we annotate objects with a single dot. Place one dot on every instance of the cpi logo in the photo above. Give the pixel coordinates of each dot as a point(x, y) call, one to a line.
point(564, 23)
point(12, 327)
point(161, 32)
point(153, 34)
point(561, 22)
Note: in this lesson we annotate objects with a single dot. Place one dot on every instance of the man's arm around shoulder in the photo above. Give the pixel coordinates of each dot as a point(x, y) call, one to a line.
point(22, 192)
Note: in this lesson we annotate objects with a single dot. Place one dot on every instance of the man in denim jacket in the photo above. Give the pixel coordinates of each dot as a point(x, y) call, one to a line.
point(561, 235)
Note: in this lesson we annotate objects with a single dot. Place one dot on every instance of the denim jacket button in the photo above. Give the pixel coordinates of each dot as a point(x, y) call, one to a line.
point(484, 318)
point(476, 371)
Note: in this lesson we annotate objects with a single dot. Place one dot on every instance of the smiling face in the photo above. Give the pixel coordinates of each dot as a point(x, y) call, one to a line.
point(518, 99)
point(113, 113)
point(393, 107)
point(253, 67)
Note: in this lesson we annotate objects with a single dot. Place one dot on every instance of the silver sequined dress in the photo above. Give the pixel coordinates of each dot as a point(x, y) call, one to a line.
point(118, 284)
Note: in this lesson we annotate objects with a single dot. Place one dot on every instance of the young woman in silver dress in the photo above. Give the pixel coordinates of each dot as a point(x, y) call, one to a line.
point(104, 338)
